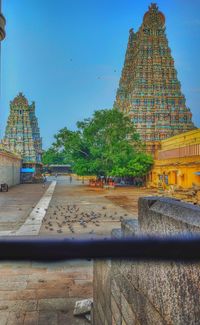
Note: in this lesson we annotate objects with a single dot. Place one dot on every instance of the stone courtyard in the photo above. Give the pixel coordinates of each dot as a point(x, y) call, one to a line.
point(38, 293)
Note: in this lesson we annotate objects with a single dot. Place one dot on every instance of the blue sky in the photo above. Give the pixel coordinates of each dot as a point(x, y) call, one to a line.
point(63, 54)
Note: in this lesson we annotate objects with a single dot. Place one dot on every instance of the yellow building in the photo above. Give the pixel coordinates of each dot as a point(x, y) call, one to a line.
point(178, 161)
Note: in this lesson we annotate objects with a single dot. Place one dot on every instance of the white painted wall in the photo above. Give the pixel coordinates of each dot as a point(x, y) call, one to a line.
point(9, 169)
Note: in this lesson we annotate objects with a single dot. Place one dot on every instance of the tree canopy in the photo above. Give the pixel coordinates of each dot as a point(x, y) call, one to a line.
point(106, 144)
point(52, 156)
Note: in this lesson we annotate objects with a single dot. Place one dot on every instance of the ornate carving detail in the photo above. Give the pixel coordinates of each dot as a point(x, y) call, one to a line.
point(154, 18)
point(20, 100)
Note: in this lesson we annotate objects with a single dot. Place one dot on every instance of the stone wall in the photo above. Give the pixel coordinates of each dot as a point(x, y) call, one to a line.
point(9, 168)
point(128, 293)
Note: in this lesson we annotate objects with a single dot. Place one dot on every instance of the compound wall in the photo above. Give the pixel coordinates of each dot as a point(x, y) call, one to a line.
point(9, 168)
point(141, 293)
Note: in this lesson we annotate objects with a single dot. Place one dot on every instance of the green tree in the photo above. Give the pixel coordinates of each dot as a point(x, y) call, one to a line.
point(106, 144)
point(52, 156)
point(138, 166)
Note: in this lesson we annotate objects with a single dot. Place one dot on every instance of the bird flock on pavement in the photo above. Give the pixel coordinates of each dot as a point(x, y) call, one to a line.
point(61, 217)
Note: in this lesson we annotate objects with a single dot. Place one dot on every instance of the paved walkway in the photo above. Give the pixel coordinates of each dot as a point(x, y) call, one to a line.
point(39, 293)
point(80, 211)
point(32, 225)
point(45, 294)
point(17, 204)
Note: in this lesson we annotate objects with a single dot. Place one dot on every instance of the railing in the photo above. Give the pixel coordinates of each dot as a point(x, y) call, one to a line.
point(180, 248)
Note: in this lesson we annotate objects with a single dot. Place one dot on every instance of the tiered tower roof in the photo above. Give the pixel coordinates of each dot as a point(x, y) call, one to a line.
point(22, 132)
point(149, 90)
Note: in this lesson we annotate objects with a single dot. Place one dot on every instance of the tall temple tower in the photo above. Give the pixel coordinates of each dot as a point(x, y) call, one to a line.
point(22, 132)
point(149, 90)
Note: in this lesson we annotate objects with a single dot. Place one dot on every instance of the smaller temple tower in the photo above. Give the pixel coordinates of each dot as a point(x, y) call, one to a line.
point(22, 132)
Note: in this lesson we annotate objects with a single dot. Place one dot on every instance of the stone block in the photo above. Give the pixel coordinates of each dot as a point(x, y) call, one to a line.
point(4, 317)
point(129, 228)
point(101, 313)
point(31, 318)
point(48, 317)
point(81, 289)
point(116, 233)
point(18, 306)
point(115, 292)
point(116, 312)
point(16, 318)
point(164, 216)
point(83, 307)
point(54, 303)
point(51, 293)
point(128, 316)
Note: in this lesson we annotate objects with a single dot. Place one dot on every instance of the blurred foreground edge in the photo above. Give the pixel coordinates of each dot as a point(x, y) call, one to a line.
point(185, 248)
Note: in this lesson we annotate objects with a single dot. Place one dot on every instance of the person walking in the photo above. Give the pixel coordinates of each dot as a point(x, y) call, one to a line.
point(70, 179)
point(44, 180)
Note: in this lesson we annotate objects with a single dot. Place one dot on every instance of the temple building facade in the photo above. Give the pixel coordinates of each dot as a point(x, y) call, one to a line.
point(22, 135)
point(149, 90)
point(178, 162)
point(10, 163)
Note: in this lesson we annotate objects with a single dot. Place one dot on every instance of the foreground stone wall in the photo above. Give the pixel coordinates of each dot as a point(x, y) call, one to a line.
point(128, 293)
point(9, 168)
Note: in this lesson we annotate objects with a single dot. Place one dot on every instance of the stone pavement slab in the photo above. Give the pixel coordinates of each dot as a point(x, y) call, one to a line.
point(40, 294)
point(17, 204)
point(32, 225)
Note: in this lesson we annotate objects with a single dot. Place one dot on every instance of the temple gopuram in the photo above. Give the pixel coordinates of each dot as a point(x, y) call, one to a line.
point(149, 90)
point(22, 133)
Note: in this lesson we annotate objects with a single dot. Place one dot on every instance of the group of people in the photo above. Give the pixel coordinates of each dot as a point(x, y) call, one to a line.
point(102, 182)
